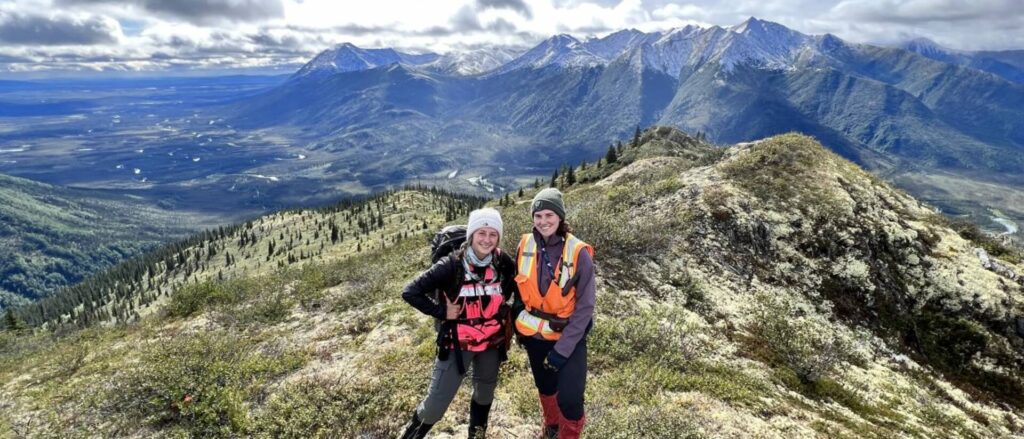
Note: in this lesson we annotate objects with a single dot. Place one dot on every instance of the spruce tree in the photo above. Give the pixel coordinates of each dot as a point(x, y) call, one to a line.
point(11, 322)
point(570, 177)
point(554, 178)
point(611, 157)
point(636, 137)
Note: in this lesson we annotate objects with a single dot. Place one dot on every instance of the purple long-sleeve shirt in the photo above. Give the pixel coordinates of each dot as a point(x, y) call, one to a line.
point(586, 292)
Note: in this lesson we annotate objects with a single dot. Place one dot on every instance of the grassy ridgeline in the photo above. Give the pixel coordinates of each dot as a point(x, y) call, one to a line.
point(724, 310)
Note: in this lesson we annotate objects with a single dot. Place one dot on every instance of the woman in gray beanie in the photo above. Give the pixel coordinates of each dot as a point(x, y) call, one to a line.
point(467, 292)
point(553, 311)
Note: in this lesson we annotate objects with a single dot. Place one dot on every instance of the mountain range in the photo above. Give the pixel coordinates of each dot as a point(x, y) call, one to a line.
point(900, 112)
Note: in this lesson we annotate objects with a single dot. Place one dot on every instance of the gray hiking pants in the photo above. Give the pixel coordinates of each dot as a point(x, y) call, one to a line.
point(446, 379)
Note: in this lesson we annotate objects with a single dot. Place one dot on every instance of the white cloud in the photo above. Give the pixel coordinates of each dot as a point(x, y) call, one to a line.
point(156, 34)
point(962, 24)
point(196, 11)
point(923, 11)
point(516, 5)
point(57, 29)
point(675, 10)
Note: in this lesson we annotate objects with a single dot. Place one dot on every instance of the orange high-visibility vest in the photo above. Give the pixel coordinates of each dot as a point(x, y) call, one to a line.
point(555, 302)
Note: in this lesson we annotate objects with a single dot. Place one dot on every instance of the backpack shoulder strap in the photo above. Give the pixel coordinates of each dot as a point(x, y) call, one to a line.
point(455, 277)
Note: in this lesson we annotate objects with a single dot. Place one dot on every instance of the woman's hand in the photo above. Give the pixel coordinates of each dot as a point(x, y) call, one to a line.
point(453, 311)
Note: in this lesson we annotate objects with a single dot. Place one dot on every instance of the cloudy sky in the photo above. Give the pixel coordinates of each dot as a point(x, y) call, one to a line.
point(49, 37)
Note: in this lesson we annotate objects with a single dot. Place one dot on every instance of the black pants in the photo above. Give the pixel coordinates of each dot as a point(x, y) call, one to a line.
point(569, 382)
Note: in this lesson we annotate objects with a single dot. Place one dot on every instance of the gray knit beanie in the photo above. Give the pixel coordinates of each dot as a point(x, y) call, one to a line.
point(549, 198)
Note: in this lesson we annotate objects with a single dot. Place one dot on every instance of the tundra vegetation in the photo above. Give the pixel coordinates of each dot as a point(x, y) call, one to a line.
point(769, 289)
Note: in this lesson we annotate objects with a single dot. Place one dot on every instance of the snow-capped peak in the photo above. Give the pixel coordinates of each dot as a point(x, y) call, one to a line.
point(761, 42)
point(473, 62)
point(560, 50)
point(678, 33)
point(927, 47)
point(347, 57)
point(617, 43)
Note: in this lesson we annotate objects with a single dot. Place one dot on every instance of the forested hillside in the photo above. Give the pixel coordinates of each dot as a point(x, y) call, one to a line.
point(52, 237)
point(274, 242)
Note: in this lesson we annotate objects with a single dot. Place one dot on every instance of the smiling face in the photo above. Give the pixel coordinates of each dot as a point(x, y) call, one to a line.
point(546, 222)
point(484, 241)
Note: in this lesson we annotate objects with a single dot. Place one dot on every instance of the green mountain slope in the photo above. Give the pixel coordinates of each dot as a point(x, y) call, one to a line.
point(52, 237)
point(281, 241)
point(770, 289)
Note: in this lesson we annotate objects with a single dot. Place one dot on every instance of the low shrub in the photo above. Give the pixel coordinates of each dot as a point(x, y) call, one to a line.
point(950, 342)
point(315, 408)
point(199, 383)
point(374, 404)
point(618, 232)
point(193, 298)
point(648, 336)
point(804, 342)
point(723, 382)
point(659, 421)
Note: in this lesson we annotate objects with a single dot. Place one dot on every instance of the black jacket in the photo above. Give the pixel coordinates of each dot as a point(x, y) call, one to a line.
point(446, 275)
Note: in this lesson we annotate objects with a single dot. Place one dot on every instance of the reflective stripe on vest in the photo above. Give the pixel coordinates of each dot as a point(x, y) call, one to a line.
point(569, 258)
point(476, 290)
point(529, 324)
point(477, 336)
point(553, 302)
point(527, 254)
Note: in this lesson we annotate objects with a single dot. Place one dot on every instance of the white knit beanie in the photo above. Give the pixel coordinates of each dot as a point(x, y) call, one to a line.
point(486, 217)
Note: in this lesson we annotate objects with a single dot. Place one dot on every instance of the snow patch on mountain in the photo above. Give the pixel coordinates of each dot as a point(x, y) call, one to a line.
point(560, 50)
point(349, 58)
point(756, 42)
point(473, 62)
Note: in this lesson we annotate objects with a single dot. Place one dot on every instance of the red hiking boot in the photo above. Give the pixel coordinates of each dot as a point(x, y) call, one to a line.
point(571, 429)
point(552, 416)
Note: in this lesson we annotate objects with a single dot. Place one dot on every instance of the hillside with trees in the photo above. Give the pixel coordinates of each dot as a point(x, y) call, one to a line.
point(51, 236)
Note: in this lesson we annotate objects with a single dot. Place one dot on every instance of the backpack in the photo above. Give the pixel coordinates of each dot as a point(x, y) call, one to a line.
point(446, 241)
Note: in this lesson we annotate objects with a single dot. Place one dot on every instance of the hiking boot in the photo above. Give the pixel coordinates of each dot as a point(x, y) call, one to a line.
point(478, 414)
point(549, 432)
point(477, 433)
point(571, 429)
point(417, 429)
point(552, 416)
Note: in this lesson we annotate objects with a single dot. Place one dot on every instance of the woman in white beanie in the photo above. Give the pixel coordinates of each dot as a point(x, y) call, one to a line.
point(467, 292)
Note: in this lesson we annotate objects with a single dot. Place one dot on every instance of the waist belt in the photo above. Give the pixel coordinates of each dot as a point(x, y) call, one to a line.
point(556, 323)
